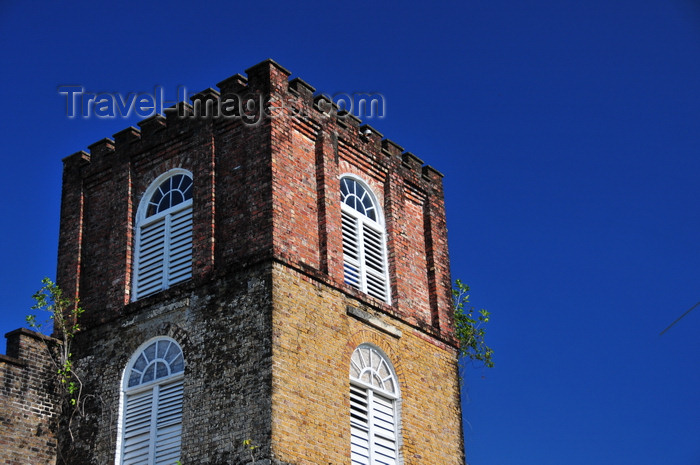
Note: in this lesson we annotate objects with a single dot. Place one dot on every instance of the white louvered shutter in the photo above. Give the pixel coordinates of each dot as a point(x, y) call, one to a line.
point(164, 249)
point(151, 258)
point(364, 260)
point(364, 243)
point(180, 246)
point(351, 250)
point(163, 245)
point(383, 421)
point(137, 428)
point(375, 264)
point(168, 430)
point(372, 428)
point(374, 419)
point(359, 426)
point(151, 415)
point(153, 426)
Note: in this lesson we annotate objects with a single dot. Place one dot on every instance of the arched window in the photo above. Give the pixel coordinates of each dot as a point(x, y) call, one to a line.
point(151, 406)
point(374, 395)
point(364, 239)
point(163, 249)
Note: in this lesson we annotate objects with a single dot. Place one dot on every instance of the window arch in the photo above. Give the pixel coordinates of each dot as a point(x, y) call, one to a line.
point(364, 239)
point(151, 405)
point(374, 415)
point(163, 246)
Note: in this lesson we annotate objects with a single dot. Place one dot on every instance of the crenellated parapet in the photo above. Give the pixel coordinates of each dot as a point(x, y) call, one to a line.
point(267, 79)
point(258, 148)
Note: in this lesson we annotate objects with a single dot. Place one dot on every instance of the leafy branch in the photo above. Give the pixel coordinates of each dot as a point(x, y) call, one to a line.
point(470, 326)
point(63, 314)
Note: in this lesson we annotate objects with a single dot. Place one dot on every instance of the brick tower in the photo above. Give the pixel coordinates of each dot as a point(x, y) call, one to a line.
point(277, 274)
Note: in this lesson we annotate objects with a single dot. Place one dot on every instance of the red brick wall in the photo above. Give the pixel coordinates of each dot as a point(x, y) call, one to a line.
point(260, 190)
point(306, 207)
point(295, 194)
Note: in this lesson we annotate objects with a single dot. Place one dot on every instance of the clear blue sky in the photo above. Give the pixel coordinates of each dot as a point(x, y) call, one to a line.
point(569, 133)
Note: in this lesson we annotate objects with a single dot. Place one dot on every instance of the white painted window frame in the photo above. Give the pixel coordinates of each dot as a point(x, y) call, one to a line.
point(153, 386)
point(364, 227)
point(142, 223)
point(371, 393)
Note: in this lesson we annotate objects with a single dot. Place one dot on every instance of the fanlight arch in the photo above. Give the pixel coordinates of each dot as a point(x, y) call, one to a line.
point(174, 190)
point(370, 367)
point(159, 359)
point(356, 195)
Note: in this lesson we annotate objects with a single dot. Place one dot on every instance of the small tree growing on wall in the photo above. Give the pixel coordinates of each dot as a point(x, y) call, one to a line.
point(64, 314)
point(470, 327)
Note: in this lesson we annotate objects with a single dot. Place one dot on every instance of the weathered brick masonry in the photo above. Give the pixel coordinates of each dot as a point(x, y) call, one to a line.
point(28, 404)
point(267, 324)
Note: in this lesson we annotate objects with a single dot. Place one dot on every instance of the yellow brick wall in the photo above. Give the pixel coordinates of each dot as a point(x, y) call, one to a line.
point(313, 339)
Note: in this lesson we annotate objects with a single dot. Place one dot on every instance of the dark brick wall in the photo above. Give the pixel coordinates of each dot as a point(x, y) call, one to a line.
point(224, 328)
point(28, 404)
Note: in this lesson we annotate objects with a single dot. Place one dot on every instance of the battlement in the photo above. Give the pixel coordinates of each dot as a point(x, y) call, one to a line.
point(271, 94)
point(264, 144)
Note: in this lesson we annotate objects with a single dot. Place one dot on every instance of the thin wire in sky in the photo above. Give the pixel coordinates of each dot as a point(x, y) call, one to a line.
point(679, 319)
